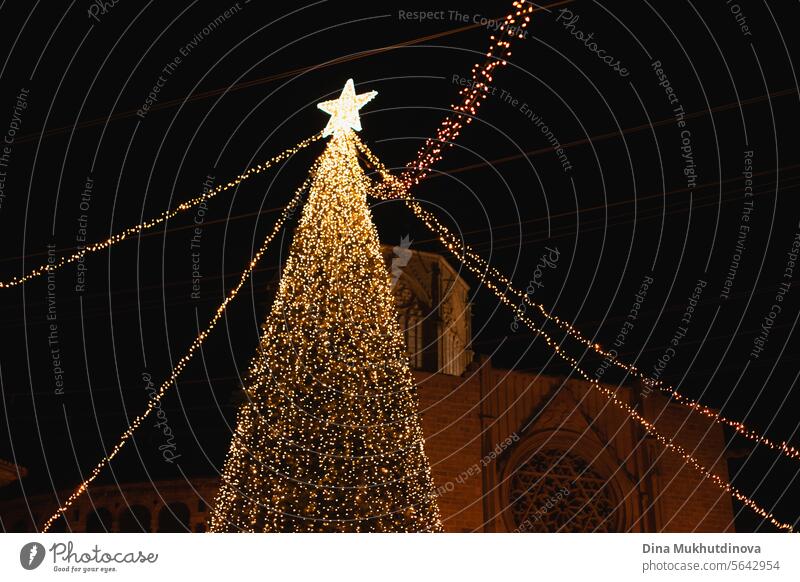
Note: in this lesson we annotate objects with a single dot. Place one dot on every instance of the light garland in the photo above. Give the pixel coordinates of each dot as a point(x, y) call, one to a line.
point(392, 188)
point(473, 94)
point(330, 438)
point(154, 402)
point(476, 92)
point(432, 151)
point(163, 217)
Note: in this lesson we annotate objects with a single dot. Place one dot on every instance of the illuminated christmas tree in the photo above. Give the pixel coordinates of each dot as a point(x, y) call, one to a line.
point(329, 438)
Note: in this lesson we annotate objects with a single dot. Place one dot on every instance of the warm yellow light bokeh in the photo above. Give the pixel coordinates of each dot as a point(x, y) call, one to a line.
point(330, 438)
point(344, 110)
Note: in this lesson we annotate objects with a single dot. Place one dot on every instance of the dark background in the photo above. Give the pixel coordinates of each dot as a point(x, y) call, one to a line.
point(621, 213)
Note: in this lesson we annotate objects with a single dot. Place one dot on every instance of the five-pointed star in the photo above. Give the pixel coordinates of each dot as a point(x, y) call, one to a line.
point(344, 110)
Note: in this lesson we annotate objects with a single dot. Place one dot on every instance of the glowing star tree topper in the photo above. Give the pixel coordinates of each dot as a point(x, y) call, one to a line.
point(344, 110)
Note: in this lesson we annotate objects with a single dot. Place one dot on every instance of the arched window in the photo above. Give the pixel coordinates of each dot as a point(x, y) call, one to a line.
point(554, 491)
point(98, 521)
point(411, 320)
point(411, 323)
point(134, 519)
point(173, 518)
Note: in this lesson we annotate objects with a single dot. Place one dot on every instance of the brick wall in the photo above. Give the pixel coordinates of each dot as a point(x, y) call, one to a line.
point(451, 422)
point(451, 416)
point(687, 501)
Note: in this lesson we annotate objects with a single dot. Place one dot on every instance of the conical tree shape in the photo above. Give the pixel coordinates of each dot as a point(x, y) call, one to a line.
point(330, 438)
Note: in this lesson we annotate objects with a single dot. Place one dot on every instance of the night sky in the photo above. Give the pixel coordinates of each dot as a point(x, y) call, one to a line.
point(680, 164)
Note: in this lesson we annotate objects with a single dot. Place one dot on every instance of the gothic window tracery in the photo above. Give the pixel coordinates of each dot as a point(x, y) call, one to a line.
point(557, 491)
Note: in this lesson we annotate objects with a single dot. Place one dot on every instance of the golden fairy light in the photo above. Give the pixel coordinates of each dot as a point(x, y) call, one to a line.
point(475, 93)
point(472, 95)
point(330, 438)
point(155, 399)
point(163, 217)
point(391, 187)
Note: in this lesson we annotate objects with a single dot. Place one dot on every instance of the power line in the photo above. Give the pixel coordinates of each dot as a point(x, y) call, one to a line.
point(259, 81)
point(626, 131)
point(514, 242)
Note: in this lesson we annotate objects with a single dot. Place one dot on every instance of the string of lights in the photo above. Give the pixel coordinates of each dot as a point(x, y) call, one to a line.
point(161, 218)
point(473, 94)
point(651, 429)
point(392, 188)
point(154, 402)
point(647, 425)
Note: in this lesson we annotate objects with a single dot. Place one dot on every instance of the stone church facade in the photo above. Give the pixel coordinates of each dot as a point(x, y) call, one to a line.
point(510, 451)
